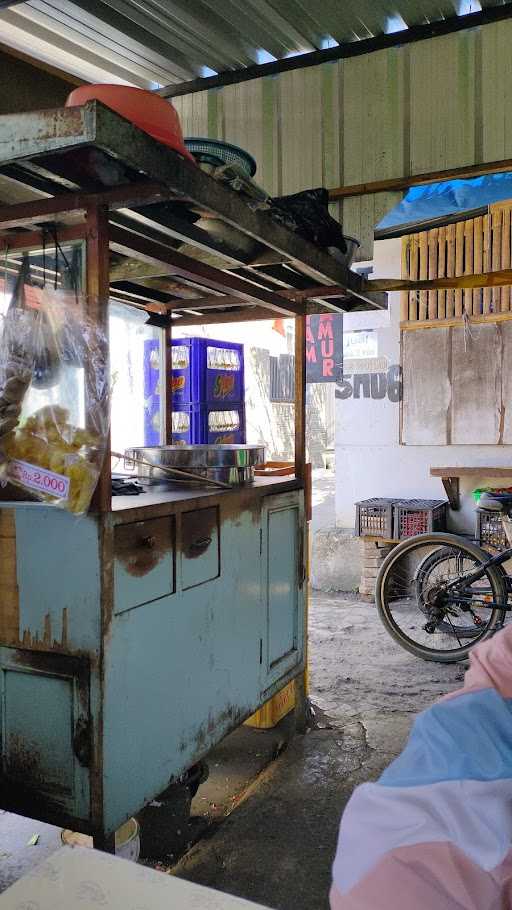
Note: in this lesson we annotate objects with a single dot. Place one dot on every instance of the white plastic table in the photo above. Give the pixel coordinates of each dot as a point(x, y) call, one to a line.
point(77, 877)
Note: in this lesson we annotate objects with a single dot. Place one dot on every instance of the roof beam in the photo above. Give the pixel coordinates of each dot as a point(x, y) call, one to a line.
point(500, 278)
point(343, 51)
point(400, 184)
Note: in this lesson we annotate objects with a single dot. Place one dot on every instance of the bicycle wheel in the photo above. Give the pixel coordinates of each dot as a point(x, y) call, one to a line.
point(425, 604)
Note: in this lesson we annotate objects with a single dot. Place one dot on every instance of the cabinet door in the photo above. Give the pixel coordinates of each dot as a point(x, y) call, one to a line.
point(283, 568)
point(45, 730)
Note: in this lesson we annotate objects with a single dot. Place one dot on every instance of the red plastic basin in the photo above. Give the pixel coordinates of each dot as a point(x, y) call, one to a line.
point(146, 110)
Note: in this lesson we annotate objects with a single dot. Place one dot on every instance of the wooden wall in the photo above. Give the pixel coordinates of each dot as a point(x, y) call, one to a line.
point(457, 385)
point(481, 244)
point(435, 104)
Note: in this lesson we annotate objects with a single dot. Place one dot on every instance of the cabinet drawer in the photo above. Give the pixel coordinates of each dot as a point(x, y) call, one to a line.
point(143, 562)
point(200, 543)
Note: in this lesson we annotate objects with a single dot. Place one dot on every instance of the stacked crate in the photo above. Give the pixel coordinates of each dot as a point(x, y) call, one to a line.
point(381, 523)
point(207, 385)
point(152, 420)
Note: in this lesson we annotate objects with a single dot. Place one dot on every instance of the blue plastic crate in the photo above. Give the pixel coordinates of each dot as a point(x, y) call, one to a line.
point(201, 424)
point(185, 380)
point(187, 424)
point(224, 425)
point(207, 371)
point(152, 421)
point(151, 367)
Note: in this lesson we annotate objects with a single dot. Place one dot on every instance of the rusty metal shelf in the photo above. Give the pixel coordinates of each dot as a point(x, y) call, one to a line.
point(155, 198)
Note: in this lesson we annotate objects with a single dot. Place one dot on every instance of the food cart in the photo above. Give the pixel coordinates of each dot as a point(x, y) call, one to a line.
point(132, 639)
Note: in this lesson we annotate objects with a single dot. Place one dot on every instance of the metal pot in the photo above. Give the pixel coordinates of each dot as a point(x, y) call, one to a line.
point(232, 464)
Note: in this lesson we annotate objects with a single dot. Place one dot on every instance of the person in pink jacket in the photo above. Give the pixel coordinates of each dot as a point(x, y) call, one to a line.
point(435, 831)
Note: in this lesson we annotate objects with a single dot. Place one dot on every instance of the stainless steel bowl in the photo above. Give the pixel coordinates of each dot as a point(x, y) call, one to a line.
point(232, 464)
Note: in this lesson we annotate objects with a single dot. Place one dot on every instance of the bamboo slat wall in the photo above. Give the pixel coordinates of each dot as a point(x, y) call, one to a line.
point(481, 244)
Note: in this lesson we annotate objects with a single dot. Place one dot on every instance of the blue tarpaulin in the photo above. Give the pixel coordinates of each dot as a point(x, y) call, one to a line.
point(438, 203)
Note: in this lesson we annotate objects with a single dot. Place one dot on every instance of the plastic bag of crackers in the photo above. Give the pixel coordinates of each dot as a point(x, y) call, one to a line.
point(54, 397)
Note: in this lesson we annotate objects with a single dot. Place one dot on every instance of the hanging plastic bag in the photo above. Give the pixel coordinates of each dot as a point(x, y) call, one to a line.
point(53, 362)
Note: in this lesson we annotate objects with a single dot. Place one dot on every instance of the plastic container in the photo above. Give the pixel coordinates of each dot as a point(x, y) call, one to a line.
point(274, 709)
point(147, 110)
point(204, 370)
point(216, 153)
point(186, 425)
point(418, 516)
point(490, 530)
point(194, 424)
point(224, 425)
point(127, 840)
point(374, 518)
point(151, 367)
point(152, 420)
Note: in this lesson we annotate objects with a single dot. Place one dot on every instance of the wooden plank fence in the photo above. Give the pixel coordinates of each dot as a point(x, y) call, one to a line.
point(481, 244)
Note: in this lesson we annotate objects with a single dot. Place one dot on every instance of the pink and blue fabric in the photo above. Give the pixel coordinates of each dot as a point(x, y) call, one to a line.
point(435, 831)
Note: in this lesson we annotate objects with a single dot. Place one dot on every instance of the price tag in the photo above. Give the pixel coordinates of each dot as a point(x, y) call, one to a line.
point(30, 475)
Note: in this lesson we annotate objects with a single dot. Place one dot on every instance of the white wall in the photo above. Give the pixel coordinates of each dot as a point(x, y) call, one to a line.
point(369, 460)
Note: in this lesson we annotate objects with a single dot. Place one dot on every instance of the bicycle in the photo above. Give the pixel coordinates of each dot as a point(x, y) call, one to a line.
point(446, 590)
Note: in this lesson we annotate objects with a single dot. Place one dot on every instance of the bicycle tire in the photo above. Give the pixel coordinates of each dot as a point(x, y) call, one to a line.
point(438, 538)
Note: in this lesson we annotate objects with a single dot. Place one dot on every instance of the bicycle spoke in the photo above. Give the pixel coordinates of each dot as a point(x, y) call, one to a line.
point(455, 633)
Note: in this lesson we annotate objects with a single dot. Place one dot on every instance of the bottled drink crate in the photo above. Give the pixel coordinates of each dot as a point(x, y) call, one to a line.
point(418, 516)
point(204, 370)
point(207, 383)
point(208, 424)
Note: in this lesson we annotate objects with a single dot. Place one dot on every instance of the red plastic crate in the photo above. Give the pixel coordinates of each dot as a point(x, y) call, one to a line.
point(418, 516)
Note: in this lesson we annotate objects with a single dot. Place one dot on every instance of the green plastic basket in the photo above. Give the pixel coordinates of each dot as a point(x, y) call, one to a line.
point(213, 151)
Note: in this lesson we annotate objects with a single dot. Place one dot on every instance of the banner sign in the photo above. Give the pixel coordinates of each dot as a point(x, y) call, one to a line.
point(324, 348)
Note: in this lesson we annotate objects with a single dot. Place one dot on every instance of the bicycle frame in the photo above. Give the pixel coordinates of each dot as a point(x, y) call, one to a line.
point(479, 573)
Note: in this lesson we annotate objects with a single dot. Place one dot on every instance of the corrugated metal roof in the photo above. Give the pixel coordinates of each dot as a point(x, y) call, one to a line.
point(161, 42)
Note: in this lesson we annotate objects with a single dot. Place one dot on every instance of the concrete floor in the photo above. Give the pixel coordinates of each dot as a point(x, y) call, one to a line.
point(271, 833)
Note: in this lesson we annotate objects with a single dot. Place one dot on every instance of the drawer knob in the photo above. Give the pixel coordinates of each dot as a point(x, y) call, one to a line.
point(201, 544)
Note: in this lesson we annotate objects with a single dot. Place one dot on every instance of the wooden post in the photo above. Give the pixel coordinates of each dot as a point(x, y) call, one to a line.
point(459, 262)
point(478, 246)
point(495, 216)
point(468, 263)
point(413, 273)
point(97, 295)
point(405, 273)
point(441, 271)
point(505, 257)
point(487, 260)
point(450, 268)
point(166, 385)
point(300, 472)
point(423, 244)
point(300, 397)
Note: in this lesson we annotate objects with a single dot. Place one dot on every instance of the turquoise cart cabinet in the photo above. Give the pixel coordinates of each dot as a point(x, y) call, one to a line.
point(133, 639)
point(132, 642)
